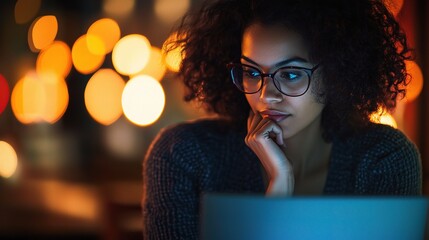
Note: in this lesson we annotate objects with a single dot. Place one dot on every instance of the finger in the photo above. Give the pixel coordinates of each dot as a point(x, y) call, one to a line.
point(269, 129)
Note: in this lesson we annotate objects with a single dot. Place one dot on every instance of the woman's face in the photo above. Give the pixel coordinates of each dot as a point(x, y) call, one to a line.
point(268, 48)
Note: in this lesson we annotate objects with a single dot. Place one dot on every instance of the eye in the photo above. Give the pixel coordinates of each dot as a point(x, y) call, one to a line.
point(250, 72)
point(290, 75)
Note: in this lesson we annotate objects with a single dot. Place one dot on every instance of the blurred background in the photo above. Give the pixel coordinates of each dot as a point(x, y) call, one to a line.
point(84, 89)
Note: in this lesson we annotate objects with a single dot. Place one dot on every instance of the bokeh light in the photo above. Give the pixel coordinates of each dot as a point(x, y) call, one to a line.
point(25, 10)
point(384, 117)
point(4, 93)
point(131, 54)
point(103, 95)
point(39, 98)
point(8, 160)
point(83, 59)
point(118, 8)
point(102, 36)
point(415, 86)
point(155, 67)
point(143, 100)
point(56, 59)
point(170, 11)
point(394, 6)
point(172, 58)
point(42, 32)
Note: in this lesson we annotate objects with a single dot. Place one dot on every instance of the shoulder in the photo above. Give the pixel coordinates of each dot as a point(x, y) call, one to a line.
point(185, 137)
point(379, 140)
point(384, 158)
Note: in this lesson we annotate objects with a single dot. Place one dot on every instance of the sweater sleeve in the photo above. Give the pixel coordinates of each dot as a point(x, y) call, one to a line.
point(170, 196)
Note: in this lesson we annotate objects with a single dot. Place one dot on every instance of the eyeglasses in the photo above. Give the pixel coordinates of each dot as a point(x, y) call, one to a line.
point(290, 80)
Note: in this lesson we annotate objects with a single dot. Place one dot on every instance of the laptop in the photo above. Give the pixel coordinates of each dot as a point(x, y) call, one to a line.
point(252, 217)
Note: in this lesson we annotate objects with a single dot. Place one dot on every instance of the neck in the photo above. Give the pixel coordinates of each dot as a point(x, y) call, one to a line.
point(307, 150)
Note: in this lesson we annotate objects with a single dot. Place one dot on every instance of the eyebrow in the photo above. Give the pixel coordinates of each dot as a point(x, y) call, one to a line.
point(281, 63)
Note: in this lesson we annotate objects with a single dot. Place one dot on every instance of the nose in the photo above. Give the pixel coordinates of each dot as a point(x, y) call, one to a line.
point(269, 93)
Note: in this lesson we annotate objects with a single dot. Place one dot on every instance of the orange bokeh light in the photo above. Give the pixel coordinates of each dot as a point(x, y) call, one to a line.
point(39, 98)
point(415, 86)
point(8, 160)
point(42, 32)
point(103, 96)
point(25, 10)
point(102, 36)
point(83, 59)
point(155, 67)
point(55, 59)
point(172, 58)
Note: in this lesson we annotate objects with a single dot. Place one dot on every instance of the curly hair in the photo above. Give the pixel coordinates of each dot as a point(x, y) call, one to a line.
point(358, 43)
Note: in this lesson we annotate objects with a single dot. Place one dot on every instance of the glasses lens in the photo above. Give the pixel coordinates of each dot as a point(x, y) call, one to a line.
point(247, 79)
point(290, 81)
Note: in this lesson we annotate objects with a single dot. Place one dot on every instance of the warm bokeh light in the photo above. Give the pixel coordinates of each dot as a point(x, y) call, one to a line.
point(39, 98)
point(56, 58)
point(83, 59)
point(103, 95)
point(415, 86)
point(4, 93)
point(76, 201)
point(57, 97)
point(25, 10)
point(394, 6)
point(8, 160)
point(131, 54)
point(102, 36)
point(173, 58)
point(170, 11)
point(42, 32)
point(118, 8)
point(155, 67)
point(384, 117)
point(143, 100)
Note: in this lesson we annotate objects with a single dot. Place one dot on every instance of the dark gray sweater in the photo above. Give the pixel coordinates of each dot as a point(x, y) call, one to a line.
point(192, 158)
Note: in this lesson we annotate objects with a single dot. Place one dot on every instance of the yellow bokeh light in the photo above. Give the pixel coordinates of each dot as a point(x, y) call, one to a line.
point(173, 58)
point(384, 117)
point(118, 8)
point(39, 98)
point(143, 100)
point(155, 67)
point(42, 32)
point(83, 59)
point(415, 86)
point(25, 10)
point(8, 160)
point(102, 36)
point(131, 54)
point(171, 10)
point(103, 95)
point(57, 97)
point(56, 59)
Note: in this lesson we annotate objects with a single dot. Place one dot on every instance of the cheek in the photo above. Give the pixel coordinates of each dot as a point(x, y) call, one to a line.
point(252, 99)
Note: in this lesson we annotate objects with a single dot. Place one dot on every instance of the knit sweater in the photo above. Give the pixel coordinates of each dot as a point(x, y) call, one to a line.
point(189, 159)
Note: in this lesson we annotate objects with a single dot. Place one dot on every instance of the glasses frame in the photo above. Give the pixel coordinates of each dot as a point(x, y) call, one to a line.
point(308, 71)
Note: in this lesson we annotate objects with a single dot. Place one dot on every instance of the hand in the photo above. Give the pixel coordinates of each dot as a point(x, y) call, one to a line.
point(265, 138)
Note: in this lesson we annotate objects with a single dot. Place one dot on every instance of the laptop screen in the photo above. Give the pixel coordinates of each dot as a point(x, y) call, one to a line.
point(226, 217)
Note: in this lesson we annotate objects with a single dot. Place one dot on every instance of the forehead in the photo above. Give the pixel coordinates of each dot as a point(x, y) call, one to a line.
point(267, 45)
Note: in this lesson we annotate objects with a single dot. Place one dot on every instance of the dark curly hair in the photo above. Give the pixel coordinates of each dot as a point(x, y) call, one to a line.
point(358, 43)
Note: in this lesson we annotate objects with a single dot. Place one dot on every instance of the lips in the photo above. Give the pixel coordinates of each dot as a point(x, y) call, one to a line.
point(274, 115)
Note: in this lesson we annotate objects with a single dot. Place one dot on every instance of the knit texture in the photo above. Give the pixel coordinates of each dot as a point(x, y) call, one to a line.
point(189, 159)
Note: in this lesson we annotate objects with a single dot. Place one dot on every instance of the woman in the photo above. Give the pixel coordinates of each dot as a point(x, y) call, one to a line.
point(294, 84)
